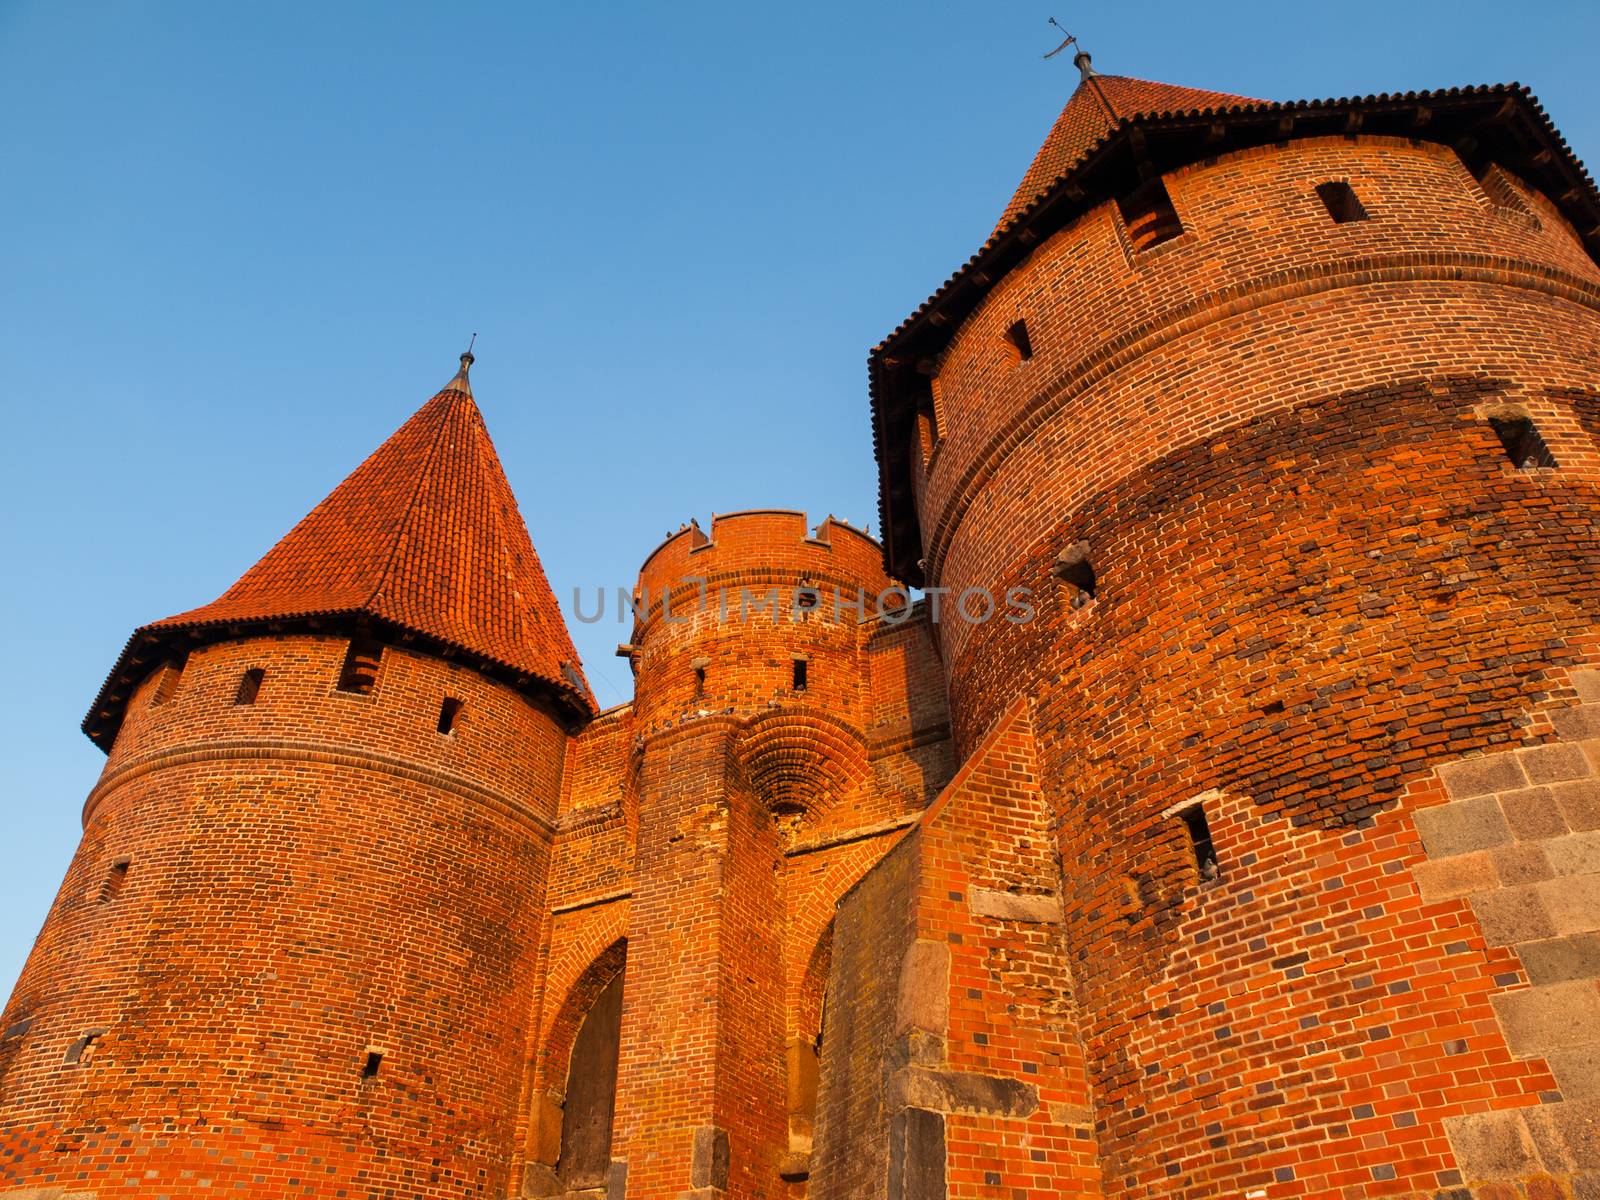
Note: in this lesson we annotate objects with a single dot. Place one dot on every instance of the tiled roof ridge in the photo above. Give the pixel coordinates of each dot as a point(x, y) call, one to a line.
point(442, 424)
point(425, 537)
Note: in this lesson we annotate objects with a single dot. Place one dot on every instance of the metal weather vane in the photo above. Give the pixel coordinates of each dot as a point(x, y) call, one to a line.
point(1070, 39)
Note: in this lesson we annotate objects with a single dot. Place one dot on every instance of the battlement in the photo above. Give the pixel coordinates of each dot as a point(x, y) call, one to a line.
point(765, 544)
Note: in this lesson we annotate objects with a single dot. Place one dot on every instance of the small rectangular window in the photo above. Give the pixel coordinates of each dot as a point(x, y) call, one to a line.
point(369, 1069)
point(448, 712)
point(1502, 192)
point(249, 686)
point(927, 431)
point(1522, 442)
point(1341, 201)
point(1019, 341)
point(82, 1050)
point(116, 876)
point(1148, 213)
point(359, 675)
point(1073, 568)
point(167, 683)
point(1199, 829)
point(800, 674)
point(698, 666)
point(16, 1029)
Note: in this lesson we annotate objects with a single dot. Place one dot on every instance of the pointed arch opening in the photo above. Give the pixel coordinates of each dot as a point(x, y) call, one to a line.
point(805, 1058)
point(581, 1057)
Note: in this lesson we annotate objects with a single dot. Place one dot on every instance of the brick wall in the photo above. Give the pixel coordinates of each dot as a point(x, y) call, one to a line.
point(310, 879)
point(951, 1061)
point(1319, 579)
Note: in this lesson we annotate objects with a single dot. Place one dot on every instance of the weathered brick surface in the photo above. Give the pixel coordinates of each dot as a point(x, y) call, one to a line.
point(297, 893)
point(954, 999)
point(1326, 609)
point(1318, 580)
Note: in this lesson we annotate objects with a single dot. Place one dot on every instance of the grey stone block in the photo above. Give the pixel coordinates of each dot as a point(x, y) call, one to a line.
point(1539, 1019)
point(923, 999)
point(1554, 763)
point(1579, 803)
point(1462, 827)
point(916, 1155)
point(1015, 906)
point(1577, 1070)
point(1577, 854)
point(1521, 862)
point(1479, 776)
point(1559, 959)
point(1511, 915)
point(1587, 685)
point(964, 1091)
point(1567, 1134)
point(1578, 723)
point(1573, 902)
point(1492, 1145)
point(708, 1161)
point(1458, 875)
point(1532, 814)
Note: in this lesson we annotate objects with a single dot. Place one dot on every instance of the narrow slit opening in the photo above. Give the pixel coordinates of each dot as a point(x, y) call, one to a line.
point(1199, 830)
point(116, 876)
point(699, 667)
point(1019, 341)
point(167, 684)
point(1073, 568)
point(800, 665)
point(1502, 193)
point(359, 674)
point(1148, 213)
point(1522, 442)
point(82, 1050)
point(369, 1069)
point(250, 686)
point(448, 712)
point(1341, 201)
point(16, 1029)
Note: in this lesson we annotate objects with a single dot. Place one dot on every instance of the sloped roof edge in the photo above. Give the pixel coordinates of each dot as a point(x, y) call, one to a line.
point(1501, 122)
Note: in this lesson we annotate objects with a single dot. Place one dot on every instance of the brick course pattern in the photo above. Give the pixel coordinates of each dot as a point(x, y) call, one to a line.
point(1262, 860)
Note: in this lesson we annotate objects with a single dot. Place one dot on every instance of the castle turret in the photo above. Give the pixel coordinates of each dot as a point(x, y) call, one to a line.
point(1287, 417)
point(788, 726)
point(296, 949)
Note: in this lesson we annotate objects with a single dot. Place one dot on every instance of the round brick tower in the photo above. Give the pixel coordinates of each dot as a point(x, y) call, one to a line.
point(766, 787)
point(1287, 416)
point(296, 948)
point(762, 620)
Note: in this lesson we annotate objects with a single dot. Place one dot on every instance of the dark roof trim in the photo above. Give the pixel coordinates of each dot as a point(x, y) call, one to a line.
point(1503, 123)
point(152, 645)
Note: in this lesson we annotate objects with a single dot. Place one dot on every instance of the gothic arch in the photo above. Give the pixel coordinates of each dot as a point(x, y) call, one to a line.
point(577, 1089)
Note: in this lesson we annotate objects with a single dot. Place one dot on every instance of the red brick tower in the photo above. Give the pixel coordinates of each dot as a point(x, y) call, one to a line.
point(1287, 416)
point(295, 953)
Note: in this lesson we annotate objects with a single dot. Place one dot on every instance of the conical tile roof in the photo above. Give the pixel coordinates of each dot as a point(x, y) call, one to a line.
point(1098, 105)
point(424, 535)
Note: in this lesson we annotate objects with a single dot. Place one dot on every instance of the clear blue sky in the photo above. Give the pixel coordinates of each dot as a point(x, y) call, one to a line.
point(242, 243)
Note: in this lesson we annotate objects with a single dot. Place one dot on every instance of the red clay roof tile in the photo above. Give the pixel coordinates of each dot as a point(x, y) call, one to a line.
point(1094, 110)
point(425, 535)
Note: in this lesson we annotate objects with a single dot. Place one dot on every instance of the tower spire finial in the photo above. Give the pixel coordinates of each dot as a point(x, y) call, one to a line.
point(461, 383)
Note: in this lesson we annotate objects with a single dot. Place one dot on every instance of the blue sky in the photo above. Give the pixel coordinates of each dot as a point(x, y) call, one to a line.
point(242, 243)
